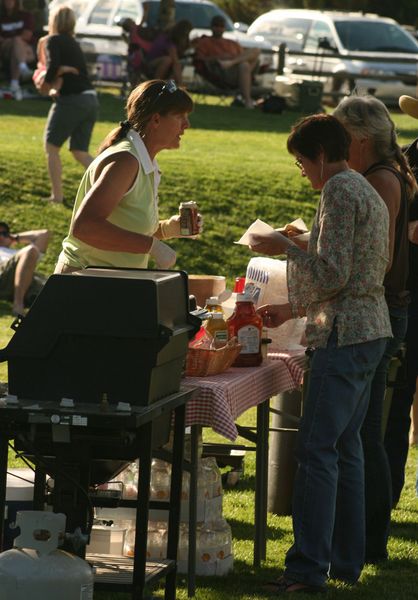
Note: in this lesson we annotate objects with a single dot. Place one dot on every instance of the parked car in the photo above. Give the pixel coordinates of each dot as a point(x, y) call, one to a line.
point(352, 50)
point(100, 34)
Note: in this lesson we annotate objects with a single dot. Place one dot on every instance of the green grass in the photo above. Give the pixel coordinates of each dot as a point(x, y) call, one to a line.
point(234, 163)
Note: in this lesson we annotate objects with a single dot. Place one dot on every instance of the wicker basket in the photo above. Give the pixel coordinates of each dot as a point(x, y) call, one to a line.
point(201, 361)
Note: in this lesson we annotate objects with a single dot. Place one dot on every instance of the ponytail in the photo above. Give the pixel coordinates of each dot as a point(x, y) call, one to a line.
point(115, 136)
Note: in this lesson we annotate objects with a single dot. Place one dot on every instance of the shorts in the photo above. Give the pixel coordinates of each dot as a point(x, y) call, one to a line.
point(72, 117)
point(7, 282)
point(227, 76)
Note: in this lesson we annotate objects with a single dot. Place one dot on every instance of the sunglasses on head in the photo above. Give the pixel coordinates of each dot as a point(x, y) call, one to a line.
point(170, 86)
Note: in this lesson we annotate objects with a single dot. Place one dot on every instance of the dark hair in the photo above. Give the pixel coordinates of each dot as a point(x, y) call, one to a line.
point(218, 21)
point(5, 226)
point(146, 99)
point(317, 133)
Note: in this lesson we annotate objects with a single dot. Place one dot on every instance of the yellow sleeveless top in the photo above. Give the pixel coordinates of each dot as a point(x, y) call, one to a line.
point(137, 211)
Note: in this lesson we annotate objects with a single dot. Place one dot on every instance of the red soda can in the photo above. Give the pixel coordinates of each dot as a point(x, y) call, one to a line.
point(188, 218)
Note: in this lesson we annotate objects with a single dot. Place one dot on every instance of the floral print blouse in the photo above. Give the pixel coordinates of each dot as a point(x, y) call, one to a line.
point(340, 277)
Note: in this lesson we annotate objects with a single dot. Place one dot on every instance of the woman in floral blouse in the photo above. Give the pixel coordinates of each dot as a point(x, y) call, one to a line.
point(337, 283)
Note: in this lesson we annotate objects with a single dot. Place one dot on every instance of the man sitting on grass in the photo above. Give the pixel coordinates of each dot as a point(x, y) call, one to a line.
point(227, 59)
point(18, 281)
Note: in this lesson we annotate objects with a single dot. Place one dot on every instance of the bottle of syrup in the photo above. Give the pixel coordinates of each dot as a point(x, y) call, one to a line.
point(247, 326)
point(218, 329)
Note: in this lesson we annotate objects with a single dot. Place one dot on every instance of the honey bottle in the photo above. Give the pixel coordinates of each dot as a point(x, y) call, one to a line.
point(218, 329)
point(247, 326)
point(213, 305)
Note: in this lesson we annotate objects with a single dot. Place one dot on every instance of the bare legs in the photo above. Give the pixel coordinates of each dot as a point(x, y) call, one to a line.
point(55, 171)
point(24, 272)
point(82, 157)
point(55, 168)
point(19, 52)
point(246, 62)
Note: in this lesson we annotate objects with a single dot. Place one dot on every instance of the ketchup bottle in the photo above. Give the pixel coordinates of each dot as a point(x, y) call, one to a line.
point(247, 326)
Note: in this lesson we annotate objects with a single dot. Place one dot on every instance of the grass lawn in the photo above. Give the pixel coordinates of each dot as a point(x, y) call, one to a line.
point(234, 163)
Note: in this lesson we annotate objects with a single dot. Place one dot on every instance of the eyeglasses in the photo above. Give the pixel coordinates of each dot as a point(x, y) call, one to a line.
point(299, 164)
point(169, 87)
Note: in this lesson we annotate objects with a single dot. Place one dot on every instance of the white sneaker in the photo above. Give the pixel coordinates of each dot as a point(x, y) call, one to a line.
point(24, 70)
point(16, 90)
point(18, 94)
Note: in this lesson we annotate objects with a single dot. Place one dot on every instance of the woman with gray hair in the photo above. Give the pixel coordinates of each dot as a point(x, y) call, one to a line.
point(375, 152)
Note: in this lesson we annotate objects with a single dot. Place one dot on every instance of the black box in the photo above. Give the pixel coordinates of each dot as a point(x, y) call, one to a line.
point(119, 332)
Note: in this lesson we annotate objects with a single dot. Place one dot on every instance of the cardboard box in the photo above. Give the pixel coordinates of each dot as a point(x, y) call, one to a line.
point(106, 540)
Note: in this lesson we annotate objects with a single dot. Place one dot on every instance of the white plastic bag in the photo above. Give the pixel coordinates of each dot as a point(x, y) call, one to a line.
point(266, 282)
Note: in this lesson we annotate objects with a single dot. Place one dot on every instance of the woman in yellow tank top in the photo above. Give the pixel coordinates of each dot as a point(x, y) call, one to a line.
point(115, 218)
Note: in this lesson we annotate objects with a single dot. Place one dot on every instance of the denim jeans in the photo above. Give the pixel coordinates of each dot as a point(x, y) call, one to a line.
point(378, 486)
point(328, 500)
point(397, 431)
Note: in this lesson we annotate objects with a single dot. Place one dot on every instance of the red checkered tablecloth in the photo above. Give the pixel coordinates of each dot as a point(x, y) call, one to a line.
point(222, 398)
point(295, 360)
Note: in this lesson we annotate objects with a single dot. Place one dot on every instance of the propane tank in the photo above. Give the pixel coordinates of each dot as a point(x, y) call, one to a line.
point(35, 569)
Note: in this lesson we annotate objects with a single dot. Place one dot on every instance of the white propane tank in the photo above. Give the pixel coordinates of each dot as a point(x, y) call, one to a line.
point(35, 569)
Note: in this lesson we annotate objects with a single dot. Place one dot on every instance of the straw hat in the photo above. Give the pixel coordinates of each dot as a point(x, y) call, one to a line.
point(409, 106)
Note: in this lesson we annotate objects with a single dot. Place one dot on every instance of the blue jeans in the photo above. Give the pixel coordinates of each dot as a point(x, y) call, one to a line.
point(378, 486)
point(397, 431)
point(328, 500)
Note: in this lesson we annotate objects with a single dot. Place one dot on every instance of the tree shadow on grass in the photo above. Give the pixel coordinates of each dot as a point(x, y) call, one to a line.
point(228, 118)
point(245, 531)
point(405, 531)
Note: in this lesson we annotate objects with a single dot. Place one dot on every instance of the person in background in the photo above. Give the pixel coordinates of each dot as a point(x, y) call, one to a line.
point(18, 281)
point(38, 76)
point(163, 57)
point(139, 41)
point(16, 37)
point(73, 114)
point(337, 283)
point(397, 431)
point(115, 220)
point(375, 153)
point(227, 59)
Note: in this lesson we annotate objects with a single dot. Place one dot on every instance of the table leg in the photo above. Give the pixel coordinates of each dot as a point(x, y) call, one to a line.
point(4, 452)
point(141, 532)
point(191, 570)
point(261, 482)
point(175, 498)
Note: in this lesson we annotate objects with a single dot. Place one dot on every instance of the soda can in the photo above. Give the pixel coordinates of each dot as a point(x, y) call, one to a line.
point(188, 212)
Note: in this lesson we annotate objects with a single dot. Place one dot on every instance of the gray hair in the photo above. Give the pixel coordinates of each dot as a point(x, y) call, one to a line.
point(366, 116)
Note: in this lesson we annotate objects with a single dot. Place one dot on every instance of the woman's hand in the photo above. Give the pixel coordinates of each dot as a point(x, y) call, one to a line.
point(274, 315)
point(170, 228)
point(272, 243)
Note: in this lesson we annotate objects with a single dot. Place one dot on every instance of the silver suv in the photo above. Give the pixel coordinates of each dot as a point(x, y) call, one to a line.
point(353, 50)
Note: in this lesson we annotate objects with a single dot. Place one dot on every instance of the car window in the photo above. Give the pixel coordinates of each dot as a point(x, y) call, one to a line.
point(101, 12)
point(318, 31)
point(200, 15)
point(131, 9)
point(291, 31)
point(374, 36)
